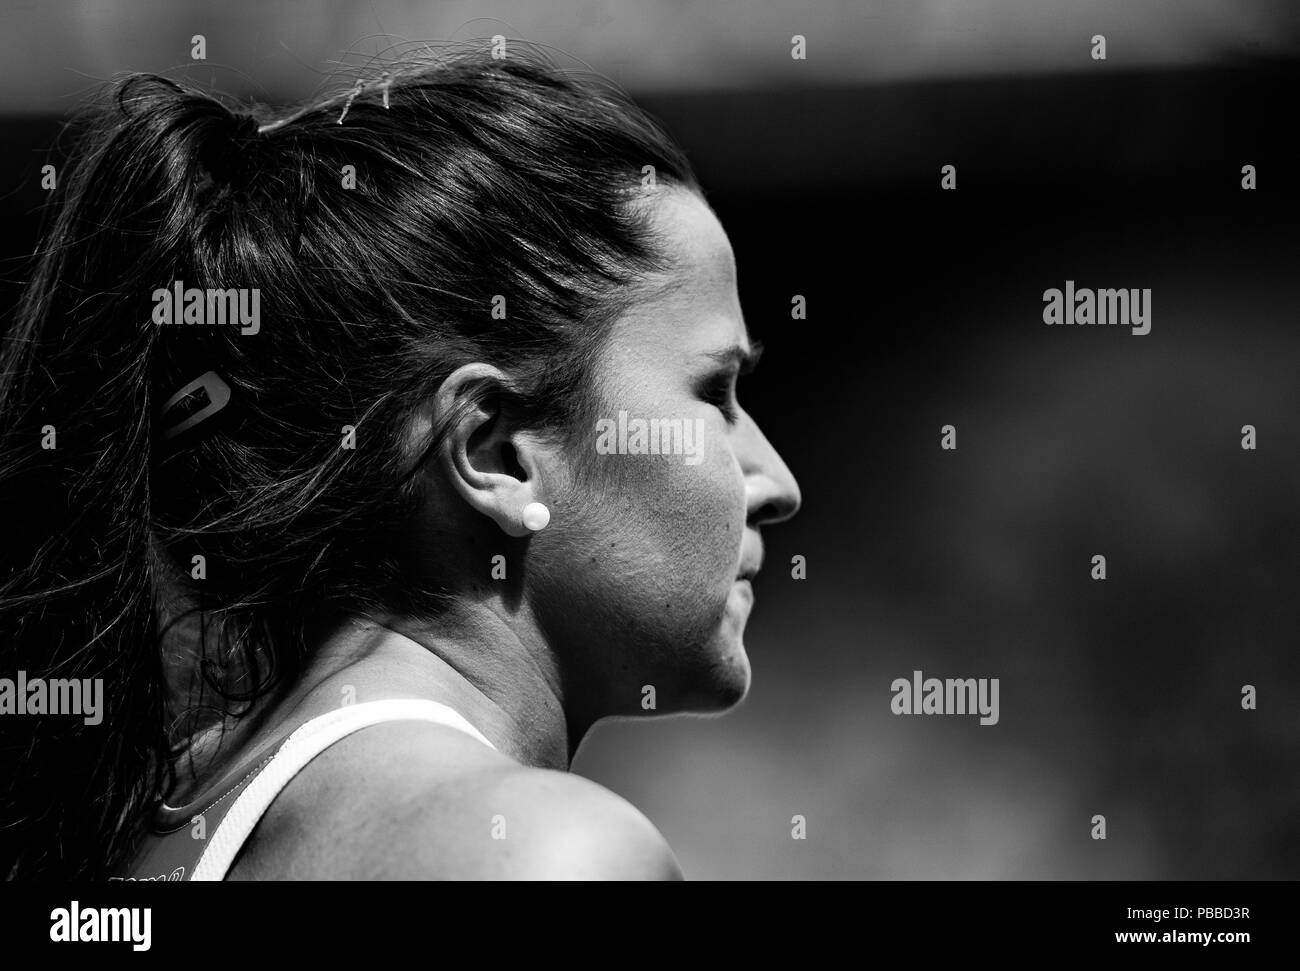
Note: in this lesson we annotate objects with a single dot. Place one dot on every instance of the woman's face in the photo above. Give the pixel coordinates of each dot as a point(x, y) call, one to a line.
point(643, 575)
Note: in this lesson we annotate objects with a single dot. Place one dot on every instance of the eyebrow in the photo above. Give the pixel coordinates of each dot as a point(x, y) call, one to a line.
point(747, 357)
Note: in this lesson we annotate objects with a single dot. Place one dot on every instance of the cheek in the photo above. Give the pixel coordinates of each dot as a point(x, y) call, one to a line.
point(657, 541)
point(693, 517)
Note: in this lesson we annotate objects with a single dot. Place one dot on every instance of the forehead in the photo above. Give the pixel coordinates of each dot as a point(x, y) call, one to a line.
point(692, 307)
point(692, 234)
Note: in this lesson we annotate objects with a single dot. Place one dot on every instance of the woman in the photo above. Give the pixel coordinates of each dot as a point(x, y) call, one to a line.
point(369, 455)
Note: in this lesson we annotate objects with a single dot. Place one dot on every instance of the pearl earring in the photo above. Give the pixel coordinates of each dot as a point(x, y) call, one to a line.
point(536, 516)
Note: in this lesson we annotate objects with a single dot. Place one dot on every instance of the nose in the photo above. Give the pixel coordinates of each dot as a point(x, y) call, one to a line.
point(771, 492)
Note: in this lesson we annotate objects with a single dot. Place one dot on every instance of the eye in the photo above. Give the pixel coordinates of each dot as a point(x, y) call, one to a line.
point(719, 390)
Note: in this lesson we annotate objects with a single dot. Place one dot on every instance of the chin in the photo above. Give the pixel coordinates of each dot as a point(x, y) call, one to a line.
point(735, 688)
point(710, 674)
point(731, 671)
point(724, 682)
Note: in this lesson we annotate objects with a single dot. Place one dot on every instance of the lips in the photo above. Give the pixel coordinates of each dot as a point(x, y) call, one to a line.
point(751, 564)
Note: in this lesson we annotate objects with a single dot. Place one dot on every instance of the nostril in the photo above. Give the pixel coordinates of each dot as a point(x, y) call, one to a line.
point(777, 509)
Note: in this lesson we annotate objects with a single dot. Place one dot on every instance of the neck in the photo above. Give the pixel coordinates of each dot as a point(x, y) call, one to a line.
point(470, 658)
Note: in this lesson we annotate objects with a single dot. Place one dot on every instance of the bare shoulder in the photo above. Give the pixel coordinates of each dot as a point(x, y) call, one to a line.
point(414, 800)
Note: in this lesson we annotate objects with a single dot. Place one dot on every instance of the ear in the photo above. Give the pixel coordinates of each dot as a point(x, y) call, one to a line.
point(490, 462)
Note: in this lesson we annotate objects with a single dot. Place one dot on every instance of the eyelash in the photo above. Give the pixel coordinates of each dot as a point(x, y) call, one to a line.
point(718, 392)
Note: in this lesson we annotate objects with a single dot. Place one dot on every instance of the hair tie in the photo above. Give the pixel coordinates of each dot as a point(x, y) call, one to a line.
point(196, 402)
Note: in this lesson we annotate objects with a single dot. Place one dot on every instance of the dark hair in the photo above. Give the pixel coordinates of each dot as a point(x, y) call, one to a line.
point(474, 177)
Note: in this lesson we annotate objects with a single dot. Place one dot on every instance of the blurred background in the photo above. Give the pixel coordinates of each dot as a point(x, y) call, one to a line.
point(1120, 697)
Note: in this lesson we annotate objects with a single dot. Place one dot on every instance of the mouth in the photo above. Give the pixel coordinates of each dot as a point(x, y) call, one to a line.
point(750, 565)
point(751, 559)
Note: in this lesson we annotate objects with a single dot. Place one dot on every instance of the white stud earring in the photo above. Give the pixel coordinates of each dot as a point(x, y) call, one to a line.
point(536, 516)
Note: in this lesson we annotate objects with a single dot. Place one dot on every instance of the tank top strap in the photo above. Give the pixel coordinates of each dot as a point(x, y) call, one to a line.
point(308, 741)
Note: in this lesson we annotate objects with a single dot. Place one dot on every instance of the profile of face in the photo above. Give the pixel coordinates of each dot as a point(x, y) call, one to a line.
point(644, 575)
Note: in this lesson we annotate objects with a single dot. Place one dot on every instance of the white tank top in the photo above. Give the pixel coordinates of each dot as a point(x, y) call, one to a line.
point(308, 741)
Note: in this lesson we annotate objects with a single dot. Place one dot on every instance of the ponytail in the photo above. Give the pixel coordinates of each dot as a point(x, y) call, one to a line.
point(77, 570)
